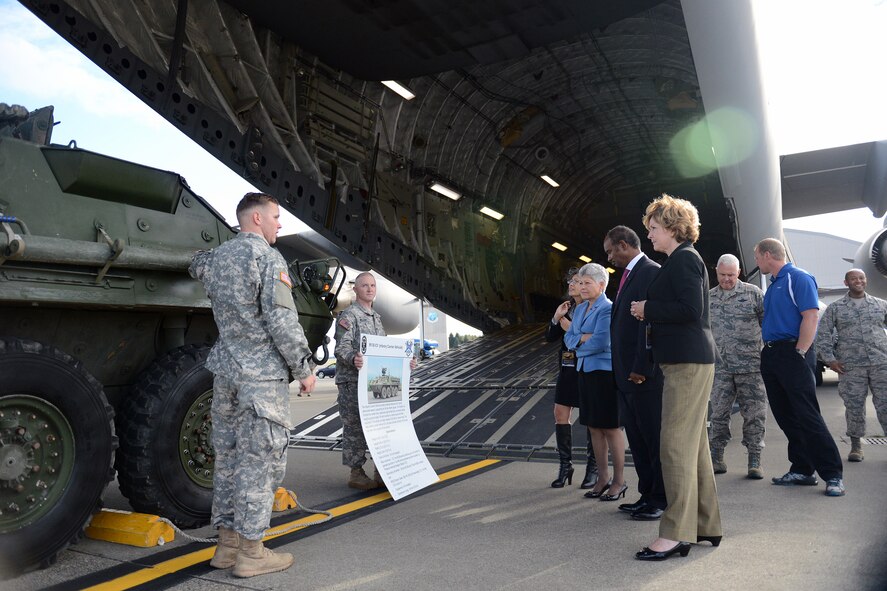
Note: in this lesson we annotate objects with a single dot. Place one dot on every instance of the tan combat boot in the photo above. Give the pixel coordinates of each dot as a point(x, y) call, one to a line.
point(717, 460)
point(754, 467)
point(359, 479)
point(255, 559)
point(226, 551)
point(856, 454)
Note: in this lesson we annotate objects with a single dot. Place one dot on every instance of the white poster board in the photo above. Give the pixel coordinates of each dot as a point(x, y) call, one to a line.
point(383, 394)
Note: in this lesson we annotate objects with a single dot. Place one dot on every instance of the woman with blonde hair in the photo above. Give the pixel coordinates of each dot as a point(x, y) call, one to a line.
point(677, 315)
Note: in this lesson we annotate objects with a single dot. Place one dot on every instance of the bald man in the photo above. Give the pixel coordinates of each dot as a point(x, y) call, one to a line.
point(737, 310)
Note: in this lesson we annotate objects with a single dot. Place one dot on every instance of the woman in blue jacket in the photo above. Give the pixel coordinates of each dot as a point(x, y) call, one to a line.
point(589, 337)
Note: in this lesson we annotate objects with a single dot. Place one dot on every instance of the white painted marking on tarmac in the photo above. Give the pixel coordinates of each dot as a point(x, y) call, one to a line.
point(521, 412)
point(428, 406)
point(465, 412)
point(354, 583)
point(316, 425)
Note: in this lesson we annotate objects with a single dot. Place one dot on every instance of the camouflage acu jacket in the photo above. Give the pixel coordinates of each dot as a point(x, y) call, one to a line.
point(353, 321)
point(251, 293)
point(736, 317)
point(853, 334)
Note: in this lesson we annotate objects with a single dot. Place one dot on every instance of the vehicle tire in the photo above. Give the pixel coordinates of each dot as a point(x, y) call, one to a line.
point(56, 452)
point(165, 461)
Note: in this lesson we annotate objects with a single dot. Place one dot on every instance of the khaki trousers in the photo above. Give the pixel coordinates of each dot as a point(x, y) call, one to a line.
point(686, 460)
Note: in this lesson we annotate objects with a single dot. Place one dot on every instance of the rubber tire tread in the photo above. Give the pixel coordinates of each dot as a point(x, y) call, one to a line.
point(142, 419)
point(15, 554)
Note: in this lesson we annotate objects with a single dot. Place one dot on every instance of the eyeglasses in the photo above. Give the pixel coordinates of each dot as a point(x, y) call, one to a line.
point(572, 282)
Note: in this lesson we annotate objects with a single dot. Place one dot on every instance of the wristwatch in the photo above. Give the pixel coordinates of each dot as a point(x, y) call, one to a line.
point(801, 352)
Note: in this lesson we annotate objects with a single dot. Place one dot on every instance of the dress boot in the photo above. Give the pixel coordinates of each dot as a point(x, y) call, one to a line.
point(564, 436)
point(255, 559)
point(226, 551)
point(591, 474)
point(717, 460)
point(856, 454)
point(359, 479)
point(754, 466)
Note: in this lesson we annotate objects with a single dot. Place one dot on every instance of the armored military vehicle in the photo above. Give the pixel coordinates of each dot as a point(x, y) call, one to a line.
point(384, 385)
point(103, 339)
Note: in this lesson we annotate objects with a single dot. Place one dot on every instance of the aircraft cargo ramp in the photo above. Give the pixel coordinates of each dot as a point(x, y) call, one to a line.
point(490, 398)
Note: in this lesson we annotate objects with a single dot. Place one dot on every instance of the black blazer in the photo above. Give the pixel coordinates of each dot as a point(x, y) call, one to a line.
point(677, 310)
point(555, 332)
point(627, 334)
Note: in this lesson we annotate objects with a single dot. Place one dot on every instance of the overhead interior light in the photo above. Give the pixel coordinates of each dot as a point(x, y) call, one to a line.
point(399, 89)
point(550, 180)
point(446, 191)
point(584, 258)
point(558, 246)
point(491, 213)
point(611, 270)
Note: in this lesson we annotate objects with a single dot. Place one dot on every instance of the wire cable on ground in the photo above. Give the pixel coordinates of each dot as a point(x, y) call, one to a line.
point(292, 528)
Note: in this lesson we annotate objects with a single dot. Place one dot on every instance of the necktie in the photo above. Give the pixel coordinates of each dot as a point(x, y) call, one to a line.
point(622, 281)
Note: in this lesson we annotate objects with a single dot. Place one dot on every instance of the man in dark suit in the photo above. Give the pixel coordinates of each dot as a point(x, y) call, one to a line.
point(638, 379)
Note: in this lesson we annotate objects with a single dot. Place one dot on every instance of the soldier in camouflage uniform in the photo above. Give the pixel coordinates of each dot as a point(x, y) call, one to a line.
point(357, 319)
point(260, 344)
point(737, 309)
point(852, 342)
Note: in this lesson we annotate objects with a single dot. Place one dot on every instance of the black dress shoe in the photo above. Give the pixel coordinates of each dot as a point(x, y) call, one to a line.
point(648, 513)
point(715, 540)
point(632, 507)
point(682, 548)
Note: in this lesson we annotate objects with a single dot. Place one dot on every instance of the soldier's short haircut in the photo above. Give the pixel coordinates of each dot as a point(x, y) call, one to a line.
point(773, 246)
point(624, 234)
point(728, 259)
point(251, 200)
point(364, 274)
point(847, 274)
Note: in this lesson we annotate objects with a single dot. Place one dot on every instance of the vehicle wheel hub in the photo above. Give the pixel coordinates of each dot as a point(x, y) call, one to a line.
point(195, 441)
point(36, 459)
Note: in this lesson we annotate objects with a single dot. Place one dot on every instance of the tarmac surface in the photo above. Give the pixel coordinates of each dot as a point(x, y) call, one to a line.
point(499, 526)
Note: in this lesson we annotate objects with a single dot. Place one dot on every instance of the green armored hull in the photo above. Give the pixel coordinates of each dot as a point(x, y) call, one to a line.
point(104, 338)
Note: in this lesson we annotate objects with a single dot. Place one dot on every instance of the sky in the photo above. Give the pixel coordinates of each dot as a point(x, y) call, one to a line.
point(822, 63)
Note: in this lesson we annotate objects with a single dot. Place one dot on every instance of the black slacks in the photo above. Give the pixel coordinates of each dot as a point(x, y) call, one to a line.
point(641, 414)
point(791, 390)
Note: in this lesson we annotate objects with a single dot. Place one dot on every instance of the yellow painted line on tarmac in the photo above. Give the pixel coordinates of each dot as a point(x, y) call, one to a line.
point(174, 565)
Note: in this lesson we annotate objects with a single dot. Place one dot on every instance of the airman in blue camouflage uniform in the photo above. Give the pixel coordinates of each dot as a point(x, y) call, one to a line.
point(260, 344)
point(737, 309)
point(852, 342)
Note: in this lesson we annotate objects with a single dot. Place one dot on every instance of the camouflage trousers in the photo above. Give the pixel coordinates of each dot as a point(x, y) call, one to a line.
point(748, 389)
point(354, 445)
point(250, 456)
point(853, 387)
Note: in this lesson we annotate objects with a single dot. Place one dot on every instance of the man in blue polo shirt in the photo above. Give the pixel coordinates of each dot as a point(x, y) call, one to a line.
point(788, 329)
